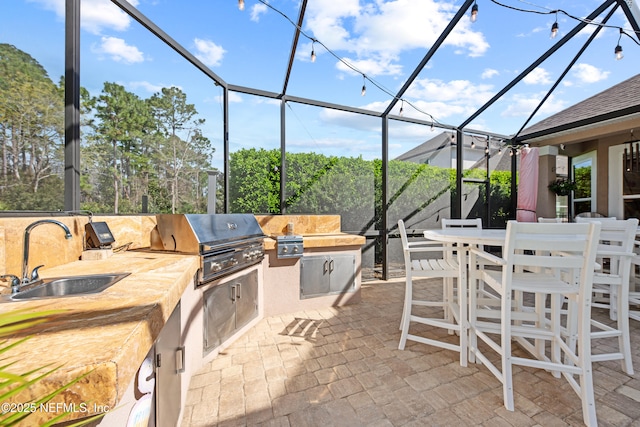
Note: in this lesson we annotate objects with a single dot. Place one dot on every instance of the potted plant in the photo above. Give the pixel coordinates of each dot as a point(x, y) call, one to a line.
point(562, 186)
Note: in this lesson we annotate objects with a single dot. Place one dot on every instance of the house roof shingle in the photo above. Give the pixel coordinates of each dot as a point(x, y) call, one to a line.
point(617, 101)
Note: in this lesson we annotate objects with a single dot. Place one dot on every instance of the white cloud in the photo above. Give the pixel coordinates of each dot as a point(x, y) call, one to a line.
point(520, 105)
point(427, 99)
point(489, 73)
point(586, 73)
point(234, 98)
point(257, 10)
point(370, 66)
point(96, 15)
point(457, 92)
point(118, 50)
point(353, 121)
point(149, 87)
point(537, 77)
point(372, 33)
point(208, 52)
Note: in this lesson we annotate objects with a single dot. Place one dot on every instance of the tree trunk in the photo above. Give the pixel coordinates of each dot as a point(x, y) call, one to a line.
point(116, 191)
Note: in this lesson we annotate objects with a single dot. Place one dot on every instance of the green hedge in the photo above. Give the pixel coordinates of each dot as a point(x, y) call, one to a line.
point(351, 187)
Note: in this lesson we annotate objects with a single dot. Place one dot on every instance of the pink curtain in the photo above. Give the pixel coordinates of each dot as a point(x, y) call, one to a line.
point(528, 185)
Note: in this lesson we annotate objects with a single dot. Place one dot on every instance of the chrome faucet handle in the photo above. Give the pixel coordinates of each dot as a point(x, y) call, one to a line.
point(15, 282)
point(34, 274)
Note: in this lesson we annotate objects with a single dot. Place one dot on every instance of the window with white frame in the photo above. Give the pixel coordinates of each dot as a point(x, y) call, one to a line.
point(584, 172)
point(624, 181)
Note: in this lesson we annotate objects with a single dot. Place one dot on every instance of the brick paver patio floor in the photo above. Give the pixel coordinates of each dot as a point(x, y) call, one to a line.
point(341, 367)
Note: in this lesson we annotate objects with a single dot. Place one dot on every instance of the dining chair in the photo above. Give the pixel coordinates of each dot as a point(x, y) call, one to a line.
point(429, 259)
point(634, 292)
point(461, 223)
point(551, 220)
point(456, 223)
point(564, 255)
point(611, 281)
point(620, 238)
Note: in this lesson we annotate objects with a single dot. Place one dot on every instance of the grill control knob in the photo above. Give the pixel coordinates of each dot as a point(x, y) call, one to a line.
point(215, 266)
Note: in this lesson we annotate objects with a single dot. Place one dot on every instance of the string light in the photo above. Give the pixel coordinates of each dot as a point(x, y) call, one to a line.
point(473, 143)
point(556, 11)
point(618, 50)
point(241, 4)
point(474, 12)
point(401, 108)
point(313, 52)
point(364, 86)
point(554, 28)
point(346, 63)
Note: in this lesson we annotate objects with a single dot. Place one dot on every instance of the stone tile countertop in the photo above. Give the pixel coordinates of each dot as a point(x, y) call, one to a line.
point(318, 231)
point(107, 333)
point(322, 240)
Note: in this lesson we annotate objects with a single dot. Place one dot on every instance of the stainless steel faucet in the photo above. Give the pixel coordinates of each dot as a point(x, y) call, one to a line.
point(33, 276)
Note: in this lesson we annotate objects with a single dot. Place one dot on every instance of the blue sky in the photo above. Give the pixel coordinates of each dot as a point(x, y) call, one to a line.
point(382, 39)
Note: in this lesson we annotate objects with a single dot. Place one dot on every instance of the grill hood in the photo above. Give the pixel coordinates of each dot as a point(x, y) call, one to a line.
point(198, 233)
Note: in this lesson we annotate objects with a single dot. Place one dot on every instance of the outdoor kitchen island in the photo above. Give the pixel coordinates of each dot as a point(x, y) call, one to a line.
point(321, 268)
point(115, 336)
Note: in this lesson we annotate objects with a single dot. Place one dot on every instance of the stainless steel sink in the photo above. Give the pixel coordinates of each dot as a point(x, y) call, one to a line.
point(68, 286)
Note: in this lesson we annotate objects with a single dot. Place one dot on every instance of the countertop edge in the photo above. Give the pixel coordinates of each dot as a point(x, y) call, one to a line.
point(129, 315)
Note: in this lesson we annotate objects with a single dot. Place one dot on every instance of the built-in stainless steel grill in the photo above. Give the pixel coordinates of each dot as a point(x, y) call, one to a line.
point(226, 243)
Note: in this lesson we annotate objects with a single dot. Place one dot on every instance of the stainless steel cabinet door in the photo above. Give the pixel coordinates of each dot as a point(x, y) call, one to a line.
point(246, 298)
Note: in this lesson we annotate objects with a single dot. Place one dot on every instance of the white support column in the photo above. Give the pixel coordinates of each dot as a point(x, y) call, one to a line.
point(213, 186)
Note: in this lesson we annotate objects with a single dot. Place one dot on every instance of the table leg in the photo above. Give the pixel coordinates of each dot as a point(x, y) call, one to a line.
point(463, 293)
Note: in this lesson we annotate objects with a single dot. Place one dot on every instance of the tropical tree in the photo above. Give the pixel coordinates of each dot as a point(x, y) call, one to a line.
point(181, 151)
point(122, 119)
point(31, 130)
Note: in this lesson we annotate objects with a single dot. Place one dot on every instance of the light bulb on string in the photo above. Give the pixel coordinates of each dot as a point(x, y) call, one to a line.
point(363, 92)
point(401, 108)
point(313, 52)
point(474, 12)
point(618, 50)
point(241, 4)
point(473, 144)
point(554, 30)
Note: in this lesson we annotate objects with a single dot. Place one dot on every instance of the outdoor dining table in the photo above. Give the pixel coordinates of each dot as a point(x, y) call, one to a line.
point(468, 236)
point(463, 238)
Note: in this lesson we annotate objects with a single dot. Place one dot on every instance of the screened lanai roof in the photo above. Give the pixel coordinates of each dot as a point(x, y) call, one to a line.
point(426, 58)
point(423, 64)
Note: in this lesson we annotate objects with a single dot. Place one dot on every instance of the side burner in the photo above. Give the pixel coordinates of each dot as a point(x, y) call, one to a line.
point(289, 246)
